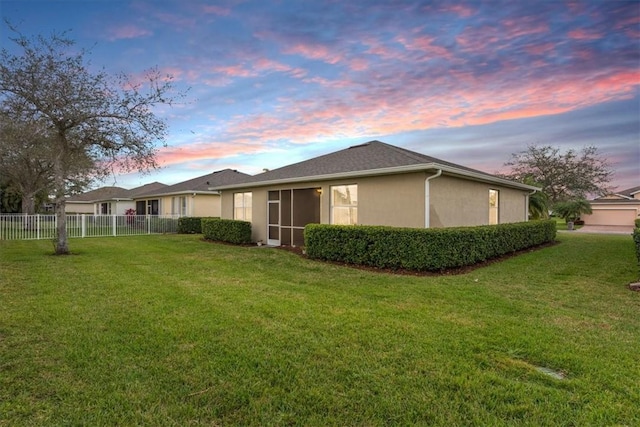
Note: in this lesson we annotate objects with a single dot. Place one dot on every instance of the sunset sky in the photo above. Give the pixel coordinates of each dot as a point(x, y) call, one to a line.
point(276, 82)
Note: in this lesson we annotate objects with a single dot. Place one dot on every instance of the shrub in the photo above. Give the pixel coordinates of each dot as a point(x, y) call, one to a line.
point(226, 230)
point(637, 221)
point(190, 225)
point(432, 249)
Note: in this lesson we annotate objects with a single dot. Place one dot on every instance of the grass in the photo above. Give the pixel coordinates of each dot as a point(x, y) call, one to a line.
point(173, 331)
point(561, 224)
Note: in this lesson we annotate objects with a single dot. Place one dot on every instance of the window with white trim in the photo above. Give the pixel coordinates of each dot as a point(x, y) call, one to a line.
point(494, 207)
point(179, 205)
point(242, 203)
point(344, 204)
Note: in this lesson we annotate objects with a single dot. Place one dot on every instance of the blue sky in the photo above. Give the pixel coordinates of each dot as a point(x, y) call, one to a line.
point(275, 82)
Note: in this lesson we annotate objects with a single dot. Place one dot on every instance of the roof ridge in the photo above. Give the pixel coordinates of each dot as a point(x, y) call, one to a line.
point(411, 154)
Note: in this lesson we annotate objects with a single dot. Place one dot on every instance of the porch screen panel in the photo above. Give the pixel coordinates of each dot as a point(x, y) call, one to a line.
point(285, 208)
point(306, 207)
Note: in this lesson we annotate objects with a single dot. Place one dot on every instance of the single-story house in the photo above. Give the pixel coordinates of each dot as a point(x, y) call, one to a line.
point(620, 208)
point(371, 184)
point(188, 198)
point(108, 200)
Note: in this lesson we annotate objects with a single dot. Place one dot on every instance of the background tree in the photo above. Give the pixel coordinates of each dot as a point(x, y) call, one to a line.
point(10, 200)
point(562, 176)
point(25, 160)
point(571, 210)
point(103, 119)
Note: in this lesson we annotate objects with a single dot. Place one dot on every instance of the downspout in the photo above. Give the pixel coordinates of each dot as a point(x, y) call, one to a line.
point(427, 195)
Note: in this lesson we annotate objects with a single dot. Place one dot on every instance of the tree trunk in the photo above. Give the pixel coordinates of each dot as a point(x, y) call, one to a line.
point(62, 247)
point(29, 203)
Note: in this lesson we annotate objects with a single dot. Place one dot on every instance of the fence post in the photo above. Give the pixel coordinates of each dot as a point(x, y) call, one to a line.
point(83, 225)
point(114, 225)
point(38, 226)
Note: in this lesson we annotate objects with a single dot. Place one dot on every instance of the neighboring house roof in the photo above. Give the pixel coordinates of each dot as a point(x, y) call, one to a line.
point(624, 196)
point(202, 184)
point(368, 159)
point(102, 193)
point(629, 192)
point(114, 193)
point(146, 189)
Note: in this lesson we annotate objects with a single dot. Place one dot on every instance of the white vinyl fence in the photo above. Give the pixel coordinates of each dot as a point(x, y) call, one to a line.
point(32, 227)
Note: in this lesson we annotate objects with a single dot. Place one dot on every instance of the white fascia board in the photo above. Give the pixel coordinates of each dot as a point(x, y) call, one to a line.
point(384, 171)
point(182, 193)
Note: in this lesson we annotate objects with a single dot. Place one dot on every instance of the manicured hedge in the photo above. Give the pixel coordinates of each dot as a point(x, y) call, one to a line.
point(190, 224)
point(432, 249)
point(226, 230)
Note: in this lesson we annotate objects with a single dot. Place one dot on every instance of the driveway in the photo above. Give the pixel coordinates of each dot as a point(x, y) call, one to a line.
point(605, 229)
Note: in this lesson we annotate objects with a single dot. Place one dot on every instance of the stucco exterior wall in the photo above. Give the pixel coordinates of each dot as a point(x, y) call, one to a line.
point(200, 205)
point(456, 201)
point(79, 208)
point(206, 205)
point(399, 201)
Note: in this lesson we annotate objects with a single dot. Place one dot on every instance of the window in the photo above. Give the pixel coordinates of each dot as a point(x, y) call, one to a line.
point(141, 207)
point(179, 205)
point(105, 208)
point(494, 203)
point(242, 206)
point(344, 204)
point(153, 207)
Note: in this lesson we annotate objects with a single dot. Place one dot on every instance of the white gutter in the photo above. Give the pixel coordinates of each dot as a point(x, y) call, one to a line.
point(427, 197)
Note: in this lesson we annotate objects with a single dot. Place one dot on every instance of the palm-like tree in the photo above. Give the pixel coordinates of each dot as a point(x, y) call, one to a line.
point(572, 209)
point(538, 205)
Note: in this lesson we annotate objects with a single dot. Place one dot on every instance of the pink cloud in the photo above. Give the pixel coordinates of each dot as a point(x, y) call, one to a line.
point(316, 52)
point(425, 44)
point(581, 34)
point(540, 49)
point(216, 10)
point(463, 11)
point(129, 31)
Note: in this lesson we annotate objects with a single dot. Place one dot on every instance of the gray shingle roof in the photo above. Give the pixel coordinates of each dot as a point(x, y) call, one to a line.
point(146, 189)
point(629, 192)
point(102, 193)
point(202, 183)
point(371, 156)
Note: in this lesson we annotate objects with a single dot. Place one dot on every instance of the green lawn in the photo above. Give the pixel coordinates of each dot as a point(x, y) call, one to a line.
point(171, 330)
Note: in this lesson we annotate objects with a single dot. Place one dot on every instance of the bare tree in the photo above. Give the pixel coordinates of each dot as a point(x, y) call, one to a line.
point(562, 176)
point(106, 119)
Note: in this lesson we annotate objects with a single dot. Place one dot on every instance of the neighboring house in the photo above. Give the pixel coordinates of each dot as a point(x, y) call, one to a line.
point(188, 198)
point(371, 184)
point(109, 200)
point(621, 208)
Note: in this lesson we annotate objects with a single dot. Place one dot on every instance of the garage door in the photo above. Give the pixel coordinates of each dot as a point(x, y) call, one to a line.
point(610, 217)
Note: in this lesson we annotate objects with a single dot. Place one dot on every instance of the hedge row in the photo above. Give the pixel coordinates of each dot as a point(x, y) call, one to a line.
point(226, 230)
point(190, 225)
point(432, 249)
